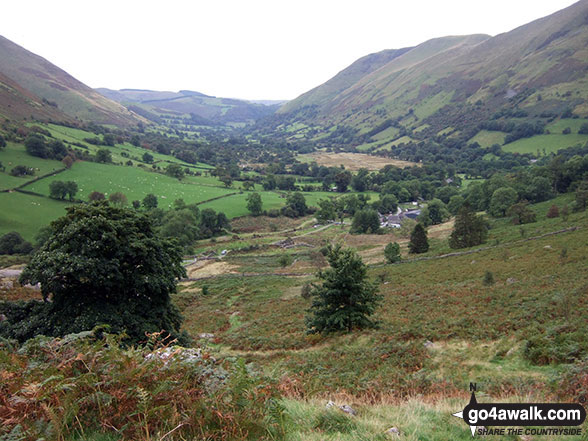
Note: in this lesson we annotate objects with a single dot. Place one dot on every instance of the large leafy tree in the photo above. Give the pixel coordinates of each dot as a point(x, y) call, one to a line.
point(502, 199)
point(104, 265)
point(366, 221)
point(346, 299)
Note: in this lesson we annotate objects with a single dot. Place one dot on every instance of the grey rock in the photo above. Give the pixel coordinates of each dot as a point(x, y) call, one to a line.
point(393, 431)
point(348, 409)
point(511, 280)
point(206, 335)
point(429, 344)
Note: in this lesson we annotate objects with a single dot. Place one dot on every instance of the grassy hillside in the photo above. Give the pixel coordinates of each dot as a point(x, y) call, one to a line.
point(456, 83)
point(53, 87)
point(498, 335)
point(19, 103)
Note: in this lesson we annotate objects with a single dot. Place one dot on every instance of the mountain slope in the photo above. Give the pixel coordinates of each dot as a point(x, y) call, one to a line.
point(457, 82)
point(344, 79)
point(19, 103)
point(50, 84)
point(189, 106)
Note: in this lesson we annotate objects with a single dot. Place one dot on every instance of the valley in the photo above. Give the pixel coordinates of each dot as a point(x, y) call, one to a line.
point(346, 265)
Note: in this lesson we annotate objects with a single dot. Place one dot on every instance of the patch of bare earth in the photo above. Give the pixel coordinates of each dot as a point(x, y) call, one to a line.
point(355, 161)
point(210, 268)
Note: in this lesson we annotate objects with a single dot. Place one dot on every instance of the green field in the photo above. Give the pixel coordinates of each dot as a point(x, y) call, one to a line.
point(558, 126)
point(27, 214)
point(73, 135)
point(15, 154)
point(487, 138)
point(549, 143)
point(134, 182)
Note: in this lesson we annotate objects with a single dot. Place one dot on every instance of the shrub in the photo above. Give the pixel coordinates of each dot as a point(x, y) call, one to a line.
point(22, 170)
point(521, 213)
point(552, 212)
point(13, 243)
point(392, 252)
point(306, 290)
point(284, 260)
point(561, 343)
point(488, 279)
point(565, 212)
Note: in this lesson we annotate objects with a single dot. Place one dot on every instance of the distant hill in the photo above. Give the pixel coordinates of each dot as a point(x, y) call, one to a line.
point(32, 86)
point(189, 107)
point(450, 85)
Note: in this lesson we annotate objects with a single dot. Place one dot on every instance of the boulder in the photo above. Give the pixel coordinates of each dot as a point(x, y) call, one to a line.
point(348, 409)
point(393, 431)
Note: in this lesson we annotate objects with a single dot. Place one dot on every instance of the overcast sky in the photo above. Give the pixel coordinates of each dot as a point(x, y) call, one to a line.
point(251, 49)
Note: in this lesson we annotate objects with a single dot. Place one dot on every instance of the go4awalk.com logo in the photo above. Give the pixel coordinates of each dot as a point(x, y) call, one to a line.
point(559, 419)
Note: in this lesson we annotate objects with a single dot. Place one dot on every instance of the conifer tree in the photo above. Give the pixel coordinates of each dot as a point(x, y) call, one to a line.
point(346, 299)
point(418, 240)
point(469, 229)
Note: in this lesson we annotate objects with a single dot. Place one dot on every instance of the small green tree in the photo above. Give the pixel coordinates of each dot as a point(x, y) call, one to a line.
point(226, 180)
point(469, 229)
point(35, 146)
point(346, 299)
point(254, 204)
point(104, 156)
point(147, 157)
point(488, 278)
point(581, 197)
point(58, 190)
point(149, 202)
point(327, 211)
point(295, 205)
point(13, 243)
point(175, 171)
point(521, 213)
point(118, 198)
point(419, 242)
point(392, 252)
point(96, 196)
point(2, 142)
point(71, 189)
